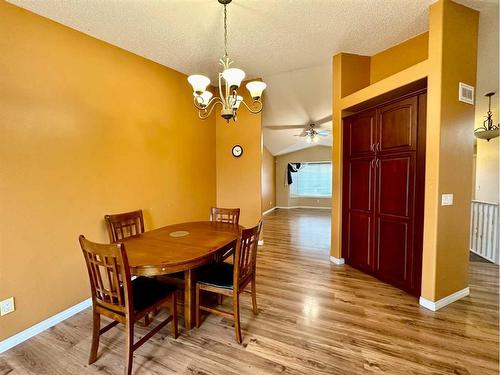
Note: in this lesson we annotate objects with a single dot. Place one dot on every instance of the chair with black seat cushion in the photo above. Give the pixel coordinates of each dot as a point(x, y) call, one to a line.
point(128, 224)
point(231, 279)
point(121, 299)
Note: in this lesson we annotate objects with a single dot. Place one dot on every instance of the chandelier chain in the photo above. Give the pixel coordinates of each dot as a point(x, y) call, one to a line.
point(225, 32)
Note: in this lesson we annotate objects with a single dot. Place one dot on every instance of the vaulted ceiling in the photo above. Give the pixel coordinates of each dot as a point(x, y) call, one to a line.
point(288, 43)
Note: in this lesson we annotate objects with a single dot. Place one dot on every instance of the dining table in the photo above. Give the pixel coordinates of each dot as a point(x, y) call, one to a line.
point(183, 247)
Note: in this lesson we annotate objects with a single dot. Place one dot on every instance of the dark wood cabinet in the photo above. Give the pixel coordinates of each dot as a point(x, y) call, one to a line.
point(383, 182)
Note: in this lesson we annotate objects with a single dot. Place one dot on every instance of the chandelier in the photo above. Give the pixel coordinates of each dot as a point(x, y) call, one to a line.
point(488, 130)
point(228, 97)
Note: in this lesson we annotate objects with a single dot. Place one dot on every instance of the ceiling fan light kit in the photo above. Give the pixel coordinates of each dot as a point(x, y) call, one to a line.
point(231, 79)
point(488, 130)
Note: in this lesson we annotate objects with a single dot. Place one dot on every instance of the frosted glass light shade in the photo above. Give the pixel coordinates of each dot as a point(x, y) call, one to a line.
point(233, 77)
point(308, 139)
point(204, 98)
point(315, 139)
point(256, 88)
point(237, 103)
point(199, 83)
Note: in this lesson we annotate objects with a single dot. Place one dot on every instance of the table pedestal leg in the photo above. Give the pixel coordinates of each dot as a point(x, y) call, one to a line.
point(189, 298)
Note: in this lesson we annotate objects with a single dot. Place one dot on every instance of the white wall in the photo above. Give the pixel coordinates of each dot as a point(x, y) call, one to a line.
point(487, 162)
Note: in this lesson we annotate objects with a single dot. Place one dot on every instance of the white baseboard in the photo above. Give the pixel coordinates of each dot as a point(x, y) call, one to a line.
point(260, 243)
point(291, 207)
point(268, 211)
point(43, 325)
point(337, 261)
point(434, 306)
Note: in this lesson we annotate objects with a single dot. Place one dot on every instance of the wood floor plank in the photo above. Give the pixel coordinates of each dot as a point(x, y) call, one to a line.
point(314, 318)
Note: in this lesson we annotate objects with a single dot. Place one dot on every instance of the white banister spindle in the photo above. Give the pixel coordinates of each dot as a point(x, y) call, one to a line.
point(484, 237)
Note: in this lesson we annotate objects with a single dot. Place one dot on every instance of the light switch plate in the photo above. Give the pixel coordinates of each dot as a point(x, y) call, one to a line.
point(447, 200)
point(7, 306)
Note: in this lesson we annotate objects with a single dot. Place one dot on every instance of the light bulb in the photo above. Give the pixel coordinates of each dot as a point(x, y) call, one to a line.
point(199, 83)
point(255, 88)
point(308, 139)
point(203, 99)
point(233, 77)
point(237, 102)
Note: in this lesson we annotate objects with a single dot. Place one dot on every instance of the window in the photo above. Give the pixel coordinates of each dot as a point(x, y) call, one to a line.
point(312, 180)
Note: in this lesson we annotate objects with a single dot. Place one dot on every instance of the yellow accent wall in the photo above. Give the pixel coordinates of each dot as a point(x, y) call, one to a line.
point(451, 58)
point(399, 57)
point(268, 180)
point(86, 129)
point(239, 179)
point(449, 148)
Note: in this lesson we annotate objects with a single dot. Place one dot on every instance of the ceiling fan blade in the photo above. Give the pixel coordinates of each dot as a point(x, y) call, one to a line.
point(283, 127)
point(323, 120)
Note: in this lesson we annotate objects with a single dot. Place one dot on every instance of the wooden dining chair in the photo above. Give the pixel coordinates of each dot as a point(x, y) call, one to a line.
point(124, 225)
point(121, 299)
point(230, 280)
point(225, 215)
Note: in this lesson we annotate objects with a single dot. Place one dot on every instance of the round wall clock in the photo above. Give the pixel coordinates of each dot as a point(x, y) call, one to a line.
point(237, 151)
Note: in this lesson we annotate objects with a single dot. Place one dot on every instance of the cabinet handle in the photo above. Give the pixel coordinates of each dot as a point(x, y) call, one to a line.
point(372, 163)
point(377, 163)
point(377, 146)
point(372, 147)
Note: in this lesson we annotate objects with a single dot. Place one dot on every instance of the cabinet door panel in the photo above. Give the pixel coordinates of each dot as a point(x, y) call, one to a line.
point(360, 184)
point(359, 241)
point(394, 184)
point(392, 257)
point(394, 219)
point(361, 133)
point(397, 126)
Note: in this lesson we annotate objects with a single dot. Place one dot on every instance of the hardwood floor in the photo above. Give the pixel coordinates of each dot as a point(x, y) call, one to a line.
point(315, 318)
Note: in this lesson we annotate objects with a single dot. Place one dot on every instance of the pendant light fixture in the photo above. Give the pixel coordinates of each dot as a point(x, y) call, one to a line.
point(488, 130)
point(231, 79)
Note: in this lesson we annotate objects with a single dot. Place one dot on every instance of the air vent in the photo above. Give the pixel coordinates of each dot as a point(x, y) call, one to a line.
point(465, 93)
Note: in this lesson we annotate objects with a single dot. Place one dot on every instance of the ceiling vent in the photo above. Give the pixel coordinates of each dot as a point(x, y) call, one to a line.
point(466, 93)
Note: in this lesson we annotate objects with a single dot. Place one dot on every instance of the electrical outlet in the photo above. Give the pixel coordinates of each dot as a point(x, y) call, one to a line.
point(447, 200)
point(7, 306)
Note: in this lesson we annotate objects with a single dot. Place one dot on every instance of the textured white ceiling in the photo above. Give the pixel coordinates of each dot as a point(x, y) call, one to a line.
point(289, 43)
point(265, 36)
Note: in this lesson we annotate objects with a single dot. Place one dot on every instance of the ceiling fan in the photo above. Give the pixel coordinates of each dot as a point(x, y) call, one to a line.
point(312, 131)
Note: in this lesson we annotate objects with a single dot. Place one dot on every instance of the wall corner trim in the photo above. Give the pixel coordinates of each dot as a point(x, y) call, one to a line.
point(337, 261)
point(28, 333)
point(434, 306)
point(269, 211)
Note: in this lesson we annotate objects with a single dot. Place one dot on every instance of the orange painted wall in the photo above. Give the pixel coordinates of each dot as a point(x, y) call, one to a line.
point(399, 57)
point(449, 149)
point(86, 129)
point(268, 180)
point(239, 179)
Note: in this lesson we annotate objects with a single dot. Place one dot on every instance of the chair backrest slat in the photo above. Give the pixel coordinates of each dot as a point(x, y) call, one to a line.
point(124, 225)
point(109, 275)
point(225, 215)
point(245, 259)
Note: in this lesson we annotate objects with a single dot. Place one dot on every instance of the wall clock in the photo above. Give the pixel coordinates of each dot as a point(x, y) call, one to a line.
point(237, 151)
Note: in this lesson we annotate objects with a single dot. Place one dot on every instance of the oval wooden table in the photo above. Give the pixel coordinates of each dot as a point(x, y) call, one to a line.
point(180, 247)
